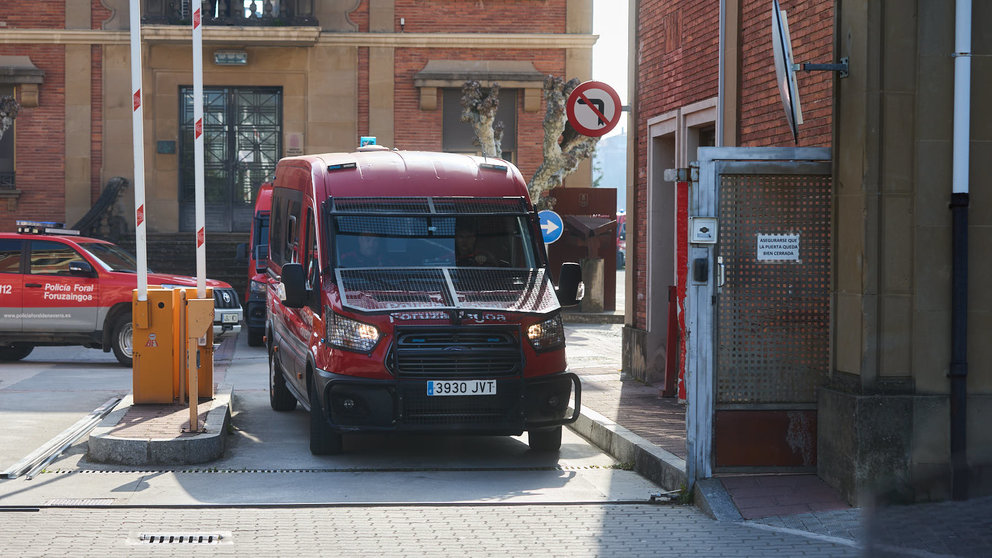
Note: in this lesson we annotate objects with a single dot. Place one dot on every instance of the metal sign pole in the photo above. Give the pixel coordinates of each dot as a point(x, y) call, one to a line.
point(201, 249)
point(138, 138)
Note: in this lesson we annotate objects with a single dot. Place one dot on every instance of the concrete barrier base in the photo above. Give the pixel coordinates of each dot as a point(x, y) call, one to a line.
point(153, 434)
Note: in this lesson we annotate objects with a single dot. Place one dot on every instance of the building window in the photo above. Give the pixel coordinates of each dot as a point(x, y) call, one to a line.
point(7, 147)
point(459, 137)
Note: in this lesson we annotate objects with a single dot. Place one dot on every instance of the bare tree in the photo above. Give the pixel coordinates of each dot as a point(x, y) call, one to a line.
point(9, 108)
point(564, 147)
point(479, 106)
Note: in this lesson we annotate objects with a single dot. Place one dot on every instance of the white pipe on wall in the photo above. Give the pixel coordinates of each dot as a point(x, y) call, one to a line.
point(962, 96)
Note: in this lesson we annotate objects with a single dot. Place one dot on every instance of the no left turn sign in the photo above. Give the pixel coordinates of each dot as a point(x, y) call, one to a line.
point(593, 108)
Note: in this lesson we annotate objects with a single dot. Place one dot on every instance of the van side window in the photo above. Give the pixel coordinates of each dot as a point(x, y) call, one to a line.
point(310, 259)
point(277, 228)
point(284, 225)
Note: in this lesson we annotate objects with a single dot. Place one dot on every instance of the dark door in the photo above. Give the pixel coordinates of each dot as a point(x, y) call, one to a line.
point(242, 142)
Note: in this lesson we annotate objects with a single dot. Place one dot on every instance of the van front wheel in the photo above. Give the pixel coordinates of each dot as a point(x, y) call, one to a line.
point(323, 440)
point(546, 439)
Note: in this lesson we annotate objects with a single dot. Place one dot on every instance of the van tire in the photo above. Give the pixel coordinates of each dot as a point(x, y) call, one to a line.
point(15, 351)
point(323, 440)
point(545, 439)
point(280, 398)
point(122, 338)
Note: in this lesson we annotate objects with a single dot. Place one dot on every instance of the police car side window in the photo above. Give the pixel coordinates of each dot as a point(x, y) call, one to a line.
point(10, 255)
point(51, 258)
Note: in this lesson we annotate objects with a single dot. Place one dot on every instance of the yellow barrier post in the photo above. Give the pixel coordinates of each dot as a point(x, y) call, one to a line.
point(153, 347)
point(199, 318)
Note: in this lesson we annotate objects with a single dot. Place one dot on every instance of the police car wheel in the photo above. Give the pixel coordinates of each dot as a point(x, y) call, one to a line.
point(546, 439)
point(15, 351)
point(121, 338)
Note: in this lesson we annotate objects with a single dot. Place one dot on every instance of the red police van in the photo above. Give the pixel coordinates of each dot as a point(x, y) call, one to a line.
point(258, 257)
point(411, 293)
point(59, 288)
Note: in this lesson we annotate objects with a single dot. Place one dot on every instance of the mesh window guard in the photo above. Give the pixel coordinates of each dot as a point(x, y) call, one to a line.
point(517, 290)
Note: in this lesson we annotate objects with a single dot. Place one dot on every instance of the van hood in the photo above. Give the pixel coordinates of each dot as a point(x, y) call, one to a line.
point(499, 289)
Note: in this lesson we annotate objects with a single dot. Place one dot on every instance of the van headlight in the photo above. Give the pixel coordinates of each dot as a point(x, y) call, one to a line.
point(349, 334)
point(549, 334)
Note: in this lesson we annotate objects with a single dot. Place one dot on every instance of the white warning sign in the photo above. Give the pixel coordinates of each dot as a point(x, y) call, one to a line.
point(778, 248)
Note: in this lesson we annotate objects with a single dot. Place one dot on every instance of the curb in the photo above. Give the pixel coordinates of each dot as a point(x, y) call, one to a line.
point(712, 498)
point(207, 446)
point(571, 317)
point(657, 465)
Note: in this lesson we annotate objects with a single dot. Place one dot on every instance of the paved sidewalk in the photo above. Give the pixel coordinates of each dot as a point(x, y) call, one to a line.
point(631, 421)
point(787, 504)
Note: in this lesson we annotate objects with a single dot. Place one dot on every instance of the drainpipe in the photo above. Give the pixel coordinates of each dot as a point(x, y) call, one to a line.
point(959, 250)
point(721, 86)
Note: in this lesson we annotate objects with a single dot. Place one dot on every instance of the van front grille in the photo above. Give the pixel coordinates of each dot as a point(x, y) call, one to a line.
point(438, 353)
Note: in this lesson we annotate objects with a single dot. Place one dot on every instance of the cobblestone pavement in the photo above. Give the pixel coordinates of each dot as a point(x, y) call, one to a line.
point(457, 531)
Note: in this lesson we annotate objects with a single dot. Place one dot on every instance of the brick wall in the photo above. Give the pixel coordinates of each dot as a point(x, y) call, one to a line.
point(762, 120)
point(39, 147)
point(363, 91)
point(99, 14)
point(34, 14)
point(477, 16)
point(96, 121)
point(678, 44)
point(360, 16)
point(421, 129)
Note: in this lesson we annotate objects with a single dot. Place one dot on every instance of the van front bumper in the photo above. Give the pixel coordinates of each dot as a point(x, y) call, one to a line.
point(353, 404)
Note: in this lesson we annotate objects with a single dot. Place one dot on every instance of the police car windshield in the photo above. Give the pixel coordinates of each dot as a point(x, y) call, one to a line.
point(114, 258)
point(433, 241)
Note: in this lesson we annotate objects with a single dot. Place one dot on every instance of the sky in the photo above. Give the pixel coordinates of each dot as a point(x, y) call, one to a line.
point(609, 54)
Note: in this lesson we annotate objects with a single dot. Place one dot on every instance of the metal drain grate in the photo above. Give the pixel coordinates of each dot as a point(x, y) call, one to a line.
point(184, 538)
point(74, 502)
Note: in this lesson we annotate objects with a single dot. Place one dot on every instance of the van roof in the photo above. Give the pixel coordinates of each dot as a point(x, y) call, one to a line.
point(412, 173)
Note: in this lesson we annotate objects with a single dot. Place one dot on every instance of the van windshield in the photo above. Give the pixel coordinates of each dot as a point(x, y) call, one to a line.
point(433, 241)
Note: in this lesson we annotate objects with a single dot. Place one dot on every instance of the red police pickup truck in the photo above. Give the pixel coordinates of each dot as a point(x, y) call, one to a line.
point(58, 288)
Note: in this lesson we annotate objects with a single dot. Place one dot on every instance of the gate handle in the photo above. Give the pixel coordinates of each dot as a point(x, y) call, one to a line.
point(720, 275)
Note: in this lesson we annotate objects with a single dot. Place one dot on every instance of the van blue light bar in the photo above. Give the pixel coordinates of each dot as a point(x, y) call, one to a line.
point(341, 166)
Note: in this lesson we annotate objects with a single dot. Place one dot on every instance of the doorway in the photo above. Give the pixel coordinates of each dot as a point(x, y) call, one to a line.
point(242, 142)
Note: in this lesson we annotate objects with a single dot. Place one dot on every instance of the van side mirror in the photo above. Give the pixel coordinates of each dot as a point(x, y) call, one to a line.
point(81, 268)
point(261, 258)
point(569, 281)
point(293, 285)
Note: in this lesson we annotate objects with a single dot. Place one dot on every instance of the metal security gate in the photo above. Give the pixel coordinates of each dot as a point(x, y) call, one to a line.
point(759, 307)
point(242, 140)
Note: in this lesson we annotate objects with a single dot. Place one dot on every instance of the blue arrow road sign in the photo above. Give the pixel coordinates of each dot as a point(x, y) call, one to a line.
point(551, 226)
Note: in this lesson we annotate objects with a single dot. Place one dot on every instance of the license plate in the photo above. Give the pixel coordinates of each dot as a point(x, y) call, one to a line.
point(461, 387)
point(229, 318)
